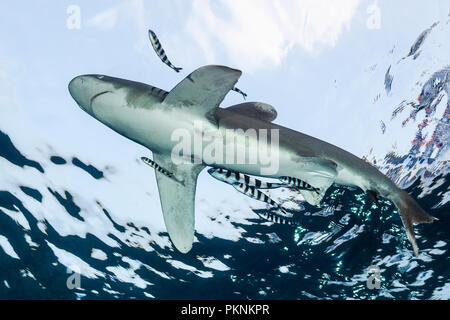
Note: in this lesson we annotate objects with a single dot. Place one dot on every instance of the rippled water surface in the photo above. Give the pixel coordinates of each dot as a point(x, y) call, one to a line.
point(327, 257)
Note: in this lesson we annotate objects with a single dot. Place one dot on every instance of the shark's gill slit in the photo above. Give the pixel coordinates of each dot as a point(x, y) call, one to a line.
point(96, 96)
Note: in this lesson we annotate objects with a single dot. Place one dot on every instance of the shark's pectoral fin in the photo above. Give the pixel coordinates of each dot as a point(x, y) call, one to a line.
point(178, 200)
point(204, 89)
point(319, 173)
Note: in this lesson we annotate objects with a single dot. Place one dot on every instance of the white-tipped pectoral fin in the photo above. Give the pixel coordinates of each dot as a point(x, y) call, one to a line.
point(178, 200)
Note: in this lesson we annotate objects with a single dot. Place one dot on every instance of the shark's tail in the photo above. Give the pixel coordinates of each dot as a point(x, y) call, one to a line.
point(410, 213)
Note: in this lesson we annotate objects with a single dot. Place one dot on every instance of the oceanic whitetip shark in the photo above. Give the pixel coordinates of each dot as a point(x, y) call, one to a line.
point(150, 116)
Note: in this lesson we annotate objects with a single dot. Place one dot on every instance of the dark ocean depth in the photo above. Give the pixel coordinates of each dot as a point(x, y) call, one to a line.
point(328, 257)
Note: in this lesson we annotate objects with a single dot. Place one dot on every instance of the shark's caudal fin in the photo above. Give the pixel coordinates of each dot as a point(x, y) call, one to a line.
point(410, 213)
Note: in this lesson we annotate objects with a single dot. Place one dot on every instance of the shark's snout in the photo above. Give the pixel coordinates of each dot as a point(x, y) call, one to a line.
point(85, 89)
point(79, 91)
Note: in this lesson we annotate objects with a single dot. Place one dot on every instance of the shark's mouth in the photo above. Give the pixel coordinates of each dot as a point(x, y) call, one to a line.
point(96, 96)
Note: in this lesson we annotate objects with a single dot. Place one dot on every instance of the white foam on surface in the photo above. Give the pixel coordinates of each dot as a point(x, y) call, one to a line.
point(7, 247)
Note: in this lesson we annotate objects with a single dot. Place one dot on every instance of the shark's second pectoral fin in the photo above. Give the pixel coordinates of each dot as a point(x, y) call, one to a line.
point(317, 172)
point(256, 110)
point(178, 200)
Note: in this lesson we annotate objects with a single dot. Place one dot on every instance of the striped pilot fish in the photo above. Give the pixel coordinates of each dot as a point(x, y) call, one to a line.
point(233, 177)
point(254, 193)
point(244, 95)
point(299, 184)
point(158, 168)
point(277, 218)
point(160, 51)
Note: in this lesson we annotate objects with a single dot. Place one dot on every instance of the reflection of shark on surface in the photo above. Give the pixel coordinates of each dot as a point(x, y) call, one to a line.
point(149, 116)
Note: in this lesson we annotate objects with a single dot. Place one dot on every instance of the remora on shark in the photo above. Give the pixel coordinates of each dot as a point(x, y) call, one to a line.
point(149, 116)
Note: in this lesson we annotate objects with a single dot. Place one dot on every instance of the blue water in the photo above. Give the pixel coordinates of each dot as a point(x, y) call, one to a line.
point(326, 258)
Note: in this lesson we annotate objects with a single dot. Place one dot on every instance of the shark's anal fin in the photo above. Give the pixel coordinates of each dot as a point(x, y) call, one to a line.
point(178, 200)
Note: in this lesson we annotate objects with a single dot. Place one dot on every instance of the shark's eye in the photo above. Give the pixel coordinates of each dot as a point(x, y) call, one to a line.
point(100, 77)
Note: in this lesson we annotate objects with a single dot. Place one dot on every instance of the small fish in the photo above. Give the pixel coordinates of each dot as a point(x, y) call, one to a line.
point(160, 51)
point(388, 78)
point(277, 218)
point(233, 177)
point(157, 167)
point(383, 127)
point(254, 193)
point(239, 91)
point(299, 184)
point(419, 41)
point(157, 92)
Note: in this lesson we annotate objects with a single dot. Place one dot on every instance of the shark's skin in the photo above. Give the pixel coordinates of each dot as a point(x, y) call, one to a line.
point(140, 113)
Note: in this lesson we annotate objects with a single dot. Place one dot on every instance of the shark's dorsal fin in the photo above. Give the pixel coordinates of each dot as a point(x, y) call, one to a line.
point(258, 110)
point(204, 89)
point(177, 200)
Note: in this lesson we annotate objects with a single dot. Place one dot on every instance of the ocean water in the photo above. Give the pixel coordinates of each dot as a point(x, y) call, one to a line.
point(327, 257)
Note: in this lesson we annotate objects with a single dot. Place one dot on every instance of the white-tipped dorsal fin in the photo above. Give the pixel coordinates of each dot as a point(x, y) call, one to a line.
point(178, 200)
point(258, 110)
point(204, 89)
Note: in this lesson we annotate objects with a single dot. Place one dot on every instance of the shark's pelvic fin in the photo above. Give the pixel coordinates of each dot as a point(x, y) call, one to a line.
point(321, 174)
point(204, 89)
point(177, 200)
point(258, 110)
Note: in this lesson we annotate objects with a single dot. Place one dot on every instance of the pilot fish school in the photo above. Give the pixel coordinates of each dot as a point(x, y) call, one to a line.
point(230, 309)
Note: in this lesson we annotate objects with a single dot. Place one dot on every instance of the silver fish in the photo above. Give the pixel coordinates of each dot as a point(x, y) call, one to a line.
point(233, 177)
point(160, 51)
point(299, 184)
